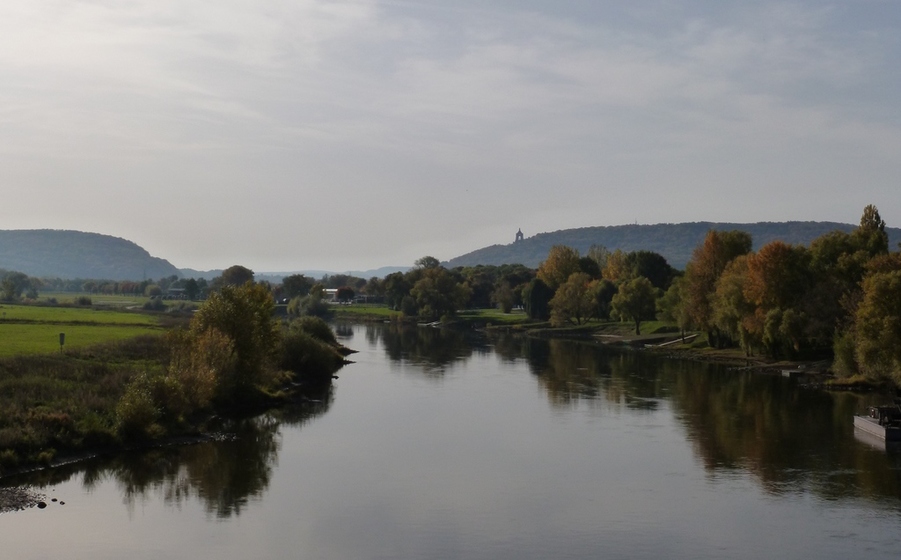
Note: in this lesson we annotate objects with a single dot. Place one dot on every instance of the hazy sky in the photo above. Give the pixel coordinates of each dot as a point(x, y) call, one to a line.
point(299, 134)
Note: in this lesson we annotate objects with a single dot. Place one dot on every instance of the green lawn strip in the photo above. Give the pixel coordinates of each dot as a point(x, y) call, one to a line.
point(364, 310)
point(112, 300)
point(40, 338)
point(42, 314)
point(495, 316)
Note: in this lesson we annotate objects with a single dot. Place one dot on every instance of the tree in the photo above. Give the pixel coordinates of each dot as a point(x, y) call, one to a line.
point(345, 294)
point(599, 254)
point(236, 275)
point(778, 276)
point(396, 287)
point(617, 269)
point(192, 289)
point(733, 314)
point(636, 300)
point(503, 296)
point(296, 285)
point(590, 267)
point(427, 262)
point(871, 236)
point(672, 306)
point(878, 326)
point(652, 266)
point(536, 298)
point(707, 263)
point(561, 263)
point(573, 301)
point(243, 314)
point(439, 294)
point(602, 292)
point(13, 285)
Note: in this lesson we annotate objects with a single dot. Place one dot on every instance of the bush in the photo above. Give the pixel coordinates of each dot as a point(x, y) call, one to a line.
point(83, 301)
point(204, 364)
point(309, 358)
point(136, 412)
point(154, 304)
point(315, 327)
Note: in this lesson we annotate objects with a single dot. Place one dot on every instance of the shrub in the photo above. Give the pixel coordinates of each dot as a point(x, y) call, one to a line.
point(315, 327)
point(204, 364)
point(83, 301)
point(309, 358)
point(154, 304)
point(136, 412)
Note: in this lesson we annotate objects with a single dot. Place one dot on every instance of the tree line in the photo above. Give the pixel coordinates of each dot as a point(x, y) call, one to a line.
point(839, 296)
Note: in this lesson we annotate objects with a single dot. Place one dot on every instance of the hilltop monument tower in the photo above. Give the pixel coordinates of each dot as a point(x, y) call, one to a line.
point(519, 236)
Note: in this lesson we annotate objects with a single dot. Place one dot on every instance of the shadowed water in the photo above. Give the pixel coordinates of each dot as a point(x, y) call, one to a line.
point(442, 444)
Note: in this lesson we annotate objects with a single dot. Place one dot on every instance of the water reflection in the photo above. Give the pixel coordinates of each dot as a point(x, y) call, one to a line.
point(224, 475)
point(790, 437)
point(432, 349)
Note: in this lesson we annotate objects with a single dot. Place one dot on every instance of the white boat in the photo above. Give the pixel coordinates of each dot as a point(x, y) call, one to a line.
point(883, 422)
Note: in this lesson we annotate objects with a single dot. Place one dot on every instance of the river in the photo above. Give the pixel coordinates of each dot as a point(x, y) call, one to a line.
point(439, 444)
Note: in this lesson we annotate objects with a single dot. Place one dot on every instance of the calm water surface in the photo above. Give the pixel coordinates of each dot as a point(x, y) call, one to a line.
point(437, 444)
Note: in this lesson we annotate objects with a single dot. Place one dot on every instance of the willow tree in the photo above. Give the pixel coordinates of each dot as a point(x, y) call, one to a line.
point(636, 300)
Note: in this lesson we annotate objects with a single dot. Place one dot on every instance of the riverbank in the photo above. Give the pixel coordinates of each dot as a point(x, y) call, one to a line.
point(17, 498)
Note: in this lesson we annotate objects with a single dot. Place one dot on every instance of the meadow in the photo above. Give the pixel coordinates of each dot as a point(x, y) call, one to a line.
point(31, 329)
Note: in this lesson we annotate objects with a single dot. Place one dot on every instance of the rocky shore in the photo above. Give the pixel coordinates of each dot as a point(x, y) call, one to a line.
point(17, 498)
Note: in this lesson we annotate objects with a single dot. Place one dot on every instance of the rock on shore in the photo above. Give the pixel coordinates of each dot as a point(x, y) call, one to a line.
point(17, 498)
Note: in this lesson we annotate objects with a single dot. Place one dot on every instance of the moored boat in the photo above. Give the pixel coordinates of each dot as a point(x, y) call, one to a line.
point(883, 422)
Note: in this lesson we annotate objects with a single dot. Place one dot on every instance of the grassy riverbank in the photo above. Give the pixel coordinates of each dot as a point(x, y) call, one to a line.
point(126, 378)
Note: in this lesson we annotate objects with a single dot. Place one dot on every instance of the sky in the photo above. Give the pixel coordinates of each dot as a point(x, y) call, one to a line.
point(339, 135)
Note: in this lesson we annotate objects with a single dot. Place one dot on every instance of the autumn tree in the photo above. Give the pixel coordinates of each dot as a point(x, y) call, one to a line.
point(701, 273)
point(561, 263)
point(636, 300)
point(573, 301)
point(733, 314)
point(617, 268)
point(244, 316)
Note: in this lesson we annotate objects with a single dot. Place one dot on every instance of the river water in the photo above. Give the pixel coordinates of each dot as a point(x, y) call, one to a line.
point(439, 444)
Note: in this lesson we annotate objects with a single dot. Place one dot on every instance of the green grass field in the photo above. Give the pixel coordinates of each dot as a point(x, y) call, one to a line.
point(22, 338)
point(40, 314)
point(29, 329)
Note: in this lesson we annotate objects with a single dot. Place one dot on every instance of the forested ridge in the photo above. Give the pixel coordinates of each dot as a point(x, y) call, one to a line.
point(674, 241)
point(47, 253)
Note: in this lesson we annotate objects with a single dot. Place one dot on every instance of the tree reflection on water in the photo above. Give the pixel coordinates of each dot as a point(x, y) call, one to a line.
point(789, 436)
point(430, 348)
point(224, 475)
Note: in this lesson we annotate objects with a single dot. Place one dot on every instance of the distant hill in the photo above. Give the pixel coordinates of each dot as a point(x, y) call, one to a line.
point(46, 253)
point(276, 277)
point(674, 241)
